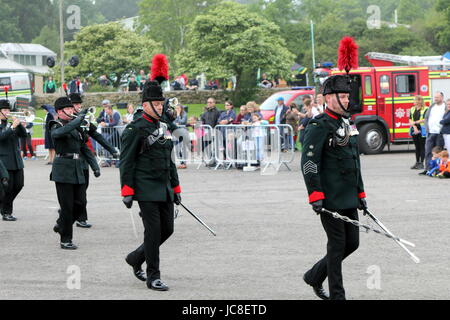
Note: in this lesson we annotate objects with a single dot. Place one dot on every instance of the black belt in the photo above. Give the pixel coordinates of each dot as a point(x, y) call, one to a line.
point(68, 155)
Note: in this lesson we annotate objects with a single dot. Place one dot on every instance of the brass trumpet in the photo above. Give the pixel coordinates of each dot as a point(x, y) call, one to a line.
point(27, 115)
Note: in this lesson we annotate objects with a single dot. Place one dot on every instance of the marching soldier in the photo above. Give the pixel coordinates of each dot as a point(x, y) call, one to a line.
point(67, 171)
point(91, 131)
point(10, 156)
point(149, 176)
point(332, 173)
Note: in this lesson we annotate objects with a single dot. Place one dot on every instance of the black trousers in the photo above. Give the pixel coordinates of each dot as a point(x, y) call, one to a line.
point(419, 144)
point(71, 198)
point(83, 213)
point(15, 185)
point(343, 239)
point(158, 223)
point(24, 142)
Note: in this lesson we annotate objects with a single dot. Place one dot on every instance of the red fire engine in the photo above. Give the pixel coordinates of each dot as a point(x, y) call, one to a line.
point(386, 94)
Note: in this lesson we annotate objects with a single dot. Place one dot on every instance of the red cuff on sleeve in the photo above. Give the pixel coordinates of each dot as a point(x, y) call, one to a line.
point(362, 195)
point(315, 196)
point(127, 191)
point(177, 189)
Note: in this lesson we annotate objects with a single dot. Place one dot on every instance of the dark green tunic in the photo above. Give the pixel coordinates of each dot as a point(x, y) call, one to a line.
point(332, 173)
point(9, 145)
point(68, 140)
point(147, 172)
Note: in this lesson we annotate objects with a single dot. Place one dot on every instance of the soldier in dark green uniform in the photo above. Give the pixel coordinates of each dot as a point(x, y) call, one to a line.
point(91, 131)
point(10, 156)
point(67, 171)
point(149, 176)
point(332, 173)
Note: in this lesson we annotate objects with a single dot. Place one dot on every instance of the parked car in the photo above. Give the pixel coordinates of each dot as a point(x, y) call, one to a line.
point(294, 95)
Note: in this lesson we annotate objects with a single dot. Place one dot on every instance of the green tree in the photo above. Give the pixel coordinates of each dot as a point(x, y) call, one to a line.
point(443, 35)
point(108, 48)
point(48, 38)
point(26, 17)
point(10, 24)
point(230, 40)
point(167, 21)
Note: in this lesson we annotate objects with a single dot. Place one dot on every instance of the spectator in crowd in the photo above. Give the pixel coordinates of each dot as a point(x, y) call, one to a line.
point(433, 118)
point(142, 77)
point(75, 85)
point(108, 120)
point(85, 85)
point(133, 85)
point(50, 85)
point(304, 122)
point(293, 119)
point(444, 168)
point(252, 107)
point(27, 141)
point(193, 84)
point(212, 85)
point(182, 135)
point(50, 115)
point(179, 83)
point(320, 103)
point(228, 116)
point(264, 82)
point(128, 117)
point(435, 162)
point(280, 111)
point(258, 134)
point(210, 117)
point(280, 118)
point(243, 115)
point(446, 126)
point(104, 81)
point(417, 119)
point(211, 113)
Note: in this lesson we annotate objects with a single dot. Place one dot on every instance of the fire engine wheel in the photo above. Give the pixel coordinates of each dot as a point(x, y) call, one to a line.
point(371, 138)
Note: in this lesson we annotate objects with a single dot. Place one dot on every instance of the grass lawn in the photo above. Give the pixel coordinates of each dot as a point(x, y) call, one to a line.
point(193, 110)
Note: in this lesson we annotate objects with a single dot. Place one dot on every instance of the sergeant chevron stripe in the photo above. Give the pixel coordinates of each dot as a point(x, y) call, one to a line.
point(310, 167)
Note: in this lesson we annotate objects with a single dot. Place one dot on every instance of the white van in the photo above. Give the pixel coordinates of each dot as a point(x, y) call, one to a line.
point(20, 85)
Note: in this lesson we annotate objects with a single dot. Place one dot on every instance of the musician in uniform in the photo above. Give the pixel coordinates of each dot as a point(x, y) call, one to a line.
point(90, 131)
point(332, 173)
point(148, 175)
point(11, 159)
point(67, 170)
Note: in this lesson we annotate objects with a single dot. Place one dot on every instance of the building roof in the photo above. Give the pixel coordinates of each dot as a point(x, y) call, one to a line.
point(11, 66)
point(25, 48)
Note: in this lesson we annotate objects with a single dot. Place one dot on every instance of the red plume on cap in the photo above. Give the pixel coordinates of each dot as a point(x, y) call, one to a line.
point(6, 88)
point(78, 85)
point(160, 68)
point(65, 87)
point(347, 54)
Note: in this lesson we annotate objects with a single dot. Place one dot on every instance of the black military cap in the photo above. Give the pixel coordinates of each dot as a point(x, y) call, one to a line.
point(75, 98)
point(62, 103)
point(152, 92)
point(4, 104)
point(337, 84)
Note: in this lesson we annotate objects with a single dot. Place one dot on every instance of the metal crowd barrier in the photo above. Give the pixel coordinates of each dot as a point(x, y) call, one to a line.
point(241, 146)
point(112, 135)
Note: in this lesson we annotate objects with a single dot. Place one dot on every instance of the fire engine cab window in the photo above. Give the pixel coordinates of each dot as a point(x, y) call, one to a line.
point(368, 85)
point(384, 84)
point(405, 83)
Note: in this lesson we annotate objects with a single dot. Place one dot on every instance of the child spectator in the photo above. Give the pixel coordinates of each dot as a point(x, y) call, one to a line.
point(444, 167)
point(435, 162)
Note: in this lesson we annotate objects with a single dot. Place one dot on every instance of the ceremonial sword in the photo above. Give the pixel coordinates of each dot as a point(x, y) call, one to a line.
point(381, 225)
point(387, 233)
point(198, 219)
